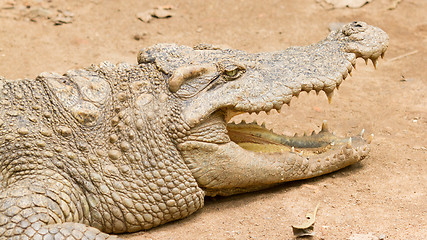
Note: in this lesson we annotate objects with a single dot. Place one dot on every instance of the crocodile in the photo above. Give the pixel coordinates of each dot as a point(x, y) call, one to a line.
point(116, 148)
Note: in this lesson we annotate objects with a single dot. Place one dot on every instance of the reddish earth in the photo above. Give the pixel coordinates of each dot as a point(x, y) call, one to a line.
point(384, 195)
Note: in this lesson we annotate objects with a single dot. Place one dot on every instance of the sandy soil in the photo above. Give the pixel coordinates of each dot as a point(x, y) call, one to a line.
point(384, 195)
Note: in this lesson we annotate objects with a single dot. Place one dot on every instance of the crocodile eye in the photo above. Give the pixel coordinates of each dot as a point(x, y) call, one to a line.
point(231, 71)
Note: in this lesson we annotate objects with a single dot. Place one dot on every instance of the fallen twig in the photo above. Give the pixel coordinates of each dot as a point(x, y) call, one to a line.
point(402, 56)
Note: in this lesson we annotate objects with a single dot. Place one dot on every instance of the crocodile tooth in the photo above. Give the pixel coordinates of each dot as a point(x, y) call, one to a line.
point(338, 80)
point(362, 132)
point(345, 74)
point(382, 55)
point(374, 61)
point(350, 68)
point(349, 143)
point(330, 95)
point(293, 149)
point(352, 58)
point(324, 126)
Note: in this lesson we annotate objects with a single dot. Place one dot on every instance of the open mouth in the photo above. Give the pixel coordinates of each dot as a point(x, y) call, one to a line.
point(257, 138)
point(324, 143)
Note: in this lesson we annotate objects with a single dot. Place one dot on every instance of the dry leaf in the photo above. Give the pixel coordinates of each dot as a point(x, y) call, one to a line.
point(306, 229)
point(332, 4)
point(144, 16)
point(157, 12)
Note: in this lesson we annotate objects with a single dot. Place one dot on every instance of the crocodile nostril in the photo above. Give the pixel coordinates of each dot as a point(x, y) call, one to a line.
point(356, 24)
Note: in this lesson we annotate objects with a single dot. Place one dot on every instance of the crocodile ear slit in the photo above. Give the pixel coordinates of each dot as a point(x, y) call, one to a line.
point(182, 74)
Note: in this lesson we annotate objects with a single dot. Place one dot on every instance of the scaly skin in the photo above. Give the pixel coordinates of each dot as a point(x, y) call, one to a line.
point(114, 149)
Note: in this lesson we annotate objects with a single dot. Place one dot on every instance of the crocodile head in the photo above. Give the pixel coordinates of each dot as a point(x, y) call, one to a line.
point(214, 84)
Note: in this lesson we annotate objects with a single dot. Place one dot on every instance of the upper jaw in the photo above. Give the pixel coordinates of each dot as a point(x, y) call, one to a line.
point(260, 91)
point(272, 79)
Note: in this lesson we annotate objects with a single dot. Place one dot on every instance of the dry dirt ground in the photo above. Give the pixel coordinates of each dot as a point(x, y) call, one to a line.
point(384, 195)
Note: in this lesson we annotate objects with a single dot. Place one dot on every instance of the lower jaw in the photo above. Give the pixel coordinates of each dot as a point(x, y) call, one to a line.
point(245, 164)
point(255, 138)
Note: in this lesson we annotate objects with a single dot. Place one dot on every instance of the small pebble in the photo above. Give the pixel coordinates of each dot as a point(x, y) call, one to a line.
point(140, 36)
